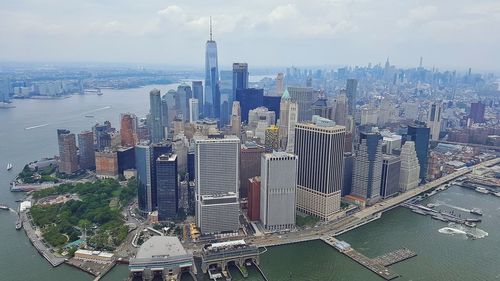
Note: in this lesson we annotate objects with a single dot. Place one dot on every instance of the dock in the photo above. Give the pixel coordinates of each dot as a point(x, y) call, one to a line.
point(378, 265)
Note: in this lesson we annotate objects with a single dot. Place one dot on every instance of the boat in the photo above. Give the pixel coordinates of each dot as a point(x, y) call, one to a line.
point(482, 190)
point(476, 211)
point(19, 223)
point(470, 224)
point(431, 205)
point(473, 220)
point(497, 194)
point(99, 93)
point(89, 116)
point(4, 207)
point(440, 218)
point(9, 166)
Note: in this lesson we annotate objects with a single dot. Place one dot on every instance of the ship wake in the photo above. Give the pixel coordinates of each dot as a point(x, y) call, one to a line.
point(456, 229)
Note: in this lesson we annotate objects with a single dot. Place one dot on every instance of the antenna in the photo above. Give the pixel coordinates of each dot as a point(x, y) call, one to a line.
point(210, 28)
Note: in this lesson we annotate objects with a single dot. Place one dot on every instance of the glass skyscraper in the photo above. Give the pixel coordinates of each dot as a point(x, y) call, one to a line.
point(212, 94)
point(420, 134)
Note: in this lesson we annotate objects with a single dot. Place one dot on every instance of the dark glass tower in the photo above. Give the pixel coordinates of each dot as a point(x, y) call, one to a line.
point(351, 89)
point(167, 186)
point(249, 99)
point(157, 132)
point(240, 77)
point(198, 94)
point(420, 134)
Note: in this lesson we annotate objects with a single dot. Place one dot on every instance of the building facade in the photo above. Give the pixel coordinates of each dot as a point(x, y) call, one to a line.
point(419, 133)
point(303, 96)
point(167, 185)
point(410, 168)
point(86, 149)
point(389, 183)
point(68, 158)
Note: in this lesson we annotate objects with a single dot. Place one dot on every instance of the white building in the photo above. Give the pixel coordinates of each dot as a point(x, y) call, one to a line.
point(278, 190)
point(410, 168)
point(193, 110)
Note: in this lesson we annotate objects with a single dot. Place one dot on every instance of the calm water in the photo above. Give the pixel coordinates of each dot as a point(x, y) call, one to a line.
point(440, 256)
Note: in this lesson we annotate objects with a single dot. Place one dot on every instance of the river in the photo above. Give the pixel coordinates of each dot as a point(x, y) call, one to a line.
point(440, 256)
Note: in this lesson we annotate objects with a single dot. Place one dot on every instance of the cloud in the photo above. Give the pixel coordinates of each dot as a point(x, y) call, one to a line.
point(418, 15)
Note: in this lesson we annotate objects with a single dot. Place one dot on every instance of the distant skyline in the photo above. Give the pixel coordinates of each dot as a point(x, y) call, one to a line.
point(448, 34)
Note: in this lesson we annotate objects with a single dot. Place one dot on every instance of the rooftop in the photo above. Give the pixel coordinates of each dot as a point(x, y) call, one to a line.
point(161, 246)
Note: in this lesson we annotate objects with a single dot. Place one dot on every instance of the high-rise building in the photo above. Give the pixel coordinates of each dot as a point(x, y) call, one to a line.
point(167, 186)
point(320, 149)
point(272, 140)
point(351, 89)
point(391, 143)
point(249, 165)
point(367, 170)
point(347, 180)
point(253, 205)
point(280, 84)
point(240, 77)
point(157, 133)
point(304, 99)
point(434, 119)
point(217, 182)
point(410, 168)
point(278, 190)
point(477, 112)
point(321, 108)
point(102, 136)
point(126, 159)
point(197, 87)
point(250, 98)
point(259, 119)
point(288, 117)
point(182, 97)
point(128, 124)
point(212, 93)
point(86, 149)
point(340, 110)
point(389, 183)
point(106, 164)
point(420, 134)
point(193, 110)
point(236, 119)
point(68, 158)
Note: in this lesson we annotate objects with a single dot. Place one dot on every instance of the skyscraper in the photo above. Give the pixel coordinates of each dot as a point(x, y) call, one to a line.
point(280, 84)
point(157, 132)
point(102, 136)
point(249, 165)
point(321, 108)
point(217, 183)
point(68, 158)
point(106, 164)
point(272, 140)
point(86, 149)
point(320, 149)
point(197, 87)
point(420, 134)
point(167, 186)
point(477, 112)
point(367, 170)
point(250, 98)
point(389, 183)
point(278, 190)
point(240, 77)
point(128, 123)
point(253, 205)
point(182, 97)
point(340, 110)
point(410, 168)
point(193, 110)
point(351, 89)
point(212, 94)
point(434, 119)
point(304, 99)
point(236, 119)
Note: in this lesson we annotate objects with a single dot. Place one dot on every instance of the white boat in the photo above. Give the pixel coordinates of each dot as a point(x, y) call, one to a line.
point(9, 166)
point(497, 194)
point(482, 190)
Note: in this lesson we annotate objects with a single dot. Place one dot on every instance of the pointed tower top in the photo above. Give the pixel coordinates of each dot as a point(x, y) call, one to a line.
point(286, 95)
point(211, 28)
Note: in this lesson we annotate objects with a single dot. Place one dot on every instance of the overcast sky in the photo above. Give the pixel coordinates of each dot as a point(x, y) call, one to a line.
point(446, 33)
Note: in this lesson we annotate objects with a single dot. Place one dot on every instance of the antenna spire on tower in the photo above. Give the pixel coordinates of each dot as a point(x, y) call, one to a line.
point(210, 28)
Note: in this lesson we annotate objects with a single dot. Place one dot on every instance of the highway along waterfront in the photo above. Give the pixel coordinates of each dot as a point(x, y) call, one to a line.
point(440, 256)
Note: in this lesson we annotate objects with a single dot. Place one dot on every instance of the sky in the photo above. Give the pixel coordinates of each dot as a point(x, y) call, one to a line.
point(448, 34)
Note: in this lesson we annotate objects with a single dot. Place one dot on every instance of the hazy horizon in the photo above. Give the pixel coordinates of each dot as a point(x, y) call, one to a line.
point(451, 35)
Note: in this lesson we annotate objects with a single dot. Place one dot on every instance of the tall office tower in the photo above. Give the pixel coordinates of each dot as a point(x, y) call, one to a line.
point(389, 182)
point(340, 111)
point(87, 150)
point(288, 111)
point(369, 115)
point(145, 164)
point(253, 205)
point(367, 170)
point(434, 119)
point(321, 108)
point(249, 165)
point(386, 113)
point(477, 112)
point(280, 84)
point(293, 116)
point(128, 124)
point(420, 134)
point(272, 103)
point(278, 190)
point(240, 77)
point(391, 143)
point(217, 182)
point(272, 140)
point(126, 159)
point(351, 89)
point(258, 121)
point(193, 110)
point(410, 110)
point(102, 136)
point(182, 97)
point(180, 146)
point(212, 94)
point(106, 164)
point(236, 119)
point(320, 148)
point(5, 90)
point(410, 168)
point(157, 132)
point(190, 163)
point(226, 97)
point(68, 158)
point(304, 98)
point(347, 180)
point(167, 186)
point(197, 87)
point(250, 98)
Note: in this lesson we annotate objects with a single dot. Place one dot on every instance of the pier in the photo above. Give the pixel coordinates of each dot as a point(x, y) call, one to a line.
point(378, 265)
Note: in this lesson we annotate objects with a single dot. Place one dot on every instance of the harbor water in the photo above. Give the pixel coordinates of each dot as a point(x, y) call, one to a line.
point(28, 132)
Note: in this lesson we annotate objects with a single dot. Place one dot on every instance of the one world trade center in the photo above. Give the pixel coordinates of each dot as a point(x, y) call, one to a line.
point(212, 93)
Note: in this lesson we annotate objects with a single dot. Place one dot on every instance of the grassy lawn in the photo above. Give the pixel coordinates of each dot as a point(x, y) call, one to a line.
point(306, 220)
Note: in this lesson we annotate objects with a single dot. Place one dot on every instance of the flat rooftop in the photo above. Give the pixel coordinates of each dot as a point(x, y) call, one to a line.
point(161, 246)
